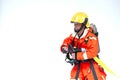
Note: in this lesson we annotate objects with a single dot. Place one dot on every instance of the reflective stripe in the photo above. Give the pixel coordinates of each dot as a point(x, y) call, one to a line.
point(84, 53)
point(103, 77)
point(93, 38)
point(64, 44)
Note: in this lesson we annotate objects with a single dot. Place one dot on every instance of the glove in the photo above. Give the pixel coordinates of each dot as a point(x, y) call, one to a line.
point(73, 49)
point(64, 50)
point(73, 61)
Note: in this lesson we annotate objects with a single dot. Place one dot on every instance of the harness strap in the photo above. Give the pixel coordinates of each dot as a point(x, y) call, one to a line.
point(78, 71)
point(93, 70)
point(91, 67)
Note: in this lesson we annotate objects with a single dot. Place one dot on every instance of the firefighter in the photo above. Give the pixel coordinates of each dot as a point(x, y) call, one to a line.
point(86, 45)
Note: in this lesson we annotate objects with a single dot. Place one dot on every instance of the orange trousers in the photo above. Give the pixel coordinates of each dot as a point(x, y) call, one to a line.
point(85, 71)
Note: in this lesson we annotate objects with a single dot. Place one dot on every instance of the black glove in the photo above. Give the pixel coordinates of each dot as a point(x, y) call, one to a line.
point(73, 50)
point(73, 61)
point(64, 51)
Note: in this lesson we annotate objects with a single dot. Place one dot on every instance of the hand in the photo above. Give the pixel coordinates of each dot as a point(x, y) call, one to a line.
point(65, 49)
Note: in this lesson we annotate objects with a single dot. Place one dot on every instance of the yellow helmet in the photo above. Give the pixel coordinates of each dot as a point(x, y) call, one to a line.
point(80, 17)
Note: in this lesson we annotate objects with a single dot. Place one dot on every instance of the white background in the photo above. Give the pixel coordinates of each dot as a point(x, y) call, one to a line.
point(31, 32)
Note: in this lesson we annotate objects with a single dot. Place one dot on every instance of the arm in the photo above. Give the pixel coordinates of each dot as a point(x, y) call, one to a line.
point(65, 44)
point(90, 51)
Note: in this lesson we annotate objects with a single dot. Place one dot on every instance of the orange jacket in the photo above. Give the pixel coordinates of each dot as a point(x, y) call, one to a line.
point(88, 43)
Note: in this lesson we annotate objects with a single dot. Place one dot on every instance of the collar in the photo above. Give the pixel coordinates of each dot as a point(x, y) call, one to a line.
point(84, 33)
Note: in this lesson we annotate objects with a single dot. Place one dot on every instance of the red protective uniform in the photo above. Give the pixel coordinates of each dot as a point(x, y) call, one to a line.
point(88, 43)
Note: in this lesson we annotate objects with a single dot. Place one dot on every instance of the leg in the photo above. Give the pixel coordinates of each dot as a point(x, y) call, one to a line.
point(74, 71)
point(99, 72)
